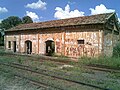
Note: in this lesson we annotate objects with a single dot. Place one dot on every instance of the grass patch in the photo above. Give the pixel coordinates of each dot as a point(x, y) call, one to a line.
point(50, 64)
point(9, 82)
point(113, 62)
point(76, 72)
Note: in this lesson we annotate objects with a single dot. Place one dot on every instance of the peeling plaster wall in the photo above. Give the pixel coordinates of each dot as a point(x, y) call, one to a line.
point(12, 38)
point(56, 37)
point(33, 38)
point(38, 40)
point(96, 42)
point(65, 42)
point(110, 41)
point(92, 46)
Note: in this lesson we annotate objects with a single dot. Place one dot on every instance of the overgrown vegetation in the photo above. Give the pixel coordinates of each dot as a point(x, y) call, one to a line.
point(1, 37)
point(113, 62)
point(77, 72)
point(13, 21)
point(9, 82)
point(116, 50)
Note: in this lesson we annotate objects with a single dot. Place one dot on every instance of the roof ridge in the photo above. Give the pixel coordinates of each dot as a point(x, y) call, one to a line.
point(78, 17)
point(92, 19)
point(68, 18)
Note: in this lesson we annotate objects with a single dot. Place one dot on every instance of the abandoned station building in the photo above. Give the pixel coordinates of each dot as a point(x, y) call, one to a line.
point(74, 37)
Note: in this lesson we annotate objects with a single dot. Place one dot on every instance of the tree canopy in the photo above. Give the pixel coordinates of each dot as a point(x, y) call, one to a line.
point(1, 37)
point(27, 19)
point(13, 21)
point(10, 22)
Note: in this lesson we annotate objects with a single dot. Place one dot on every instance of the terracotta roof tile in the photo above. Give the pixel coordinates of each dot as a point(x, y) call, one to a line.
point(93, 19)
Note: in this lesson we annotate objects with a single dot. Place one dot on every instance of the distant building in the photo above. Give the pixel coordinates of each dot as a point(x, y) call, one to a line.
point(74, 37)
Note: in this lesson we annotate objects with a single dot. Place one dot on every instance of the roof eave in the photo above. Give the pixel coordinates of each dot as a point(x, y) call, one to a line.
point(22, 29)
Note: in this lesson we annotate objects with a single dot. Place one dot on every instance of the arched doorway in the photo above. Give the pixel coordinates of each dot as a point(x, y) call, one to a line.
point(28, 47)
point(50, 47)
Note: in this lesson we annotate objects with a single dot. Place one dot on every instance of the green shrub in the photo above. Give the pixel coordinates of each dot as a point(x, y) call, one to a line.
point(116, 50)
point(113, 62)
point(20, 60)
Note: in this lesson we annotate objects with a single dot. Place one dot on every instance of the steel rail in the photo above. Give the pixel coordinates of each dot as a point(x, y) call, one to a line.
point(37, 83)
point(102, 69)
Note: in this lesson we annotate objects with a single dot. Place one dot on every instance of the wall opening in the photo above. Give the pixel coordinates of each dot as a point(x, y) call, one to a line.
point(80, 41)
point(28, 47)
point(14, 46)
point(9, 44)
point(50, 47)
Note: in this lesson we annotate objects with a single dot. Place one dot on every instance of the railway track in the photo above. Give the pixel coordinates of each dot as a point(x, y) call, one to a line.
point(100, 68)
point(41, 58)
point(36, 83)
point(42, 72)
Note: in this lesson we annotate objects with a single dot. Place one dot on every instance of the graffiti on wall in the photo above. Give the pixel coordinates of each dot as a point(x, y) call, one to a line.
point(81, 50)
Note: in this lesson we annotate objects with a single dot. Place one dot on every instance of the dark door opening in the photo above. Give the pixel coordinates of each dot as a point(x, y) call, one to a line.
point(28, 46)
point(50, 47)
point(14, 46)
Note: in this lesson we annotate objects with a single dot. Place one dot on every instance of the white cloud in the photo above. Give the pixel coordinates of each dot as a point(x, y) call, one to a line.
point(119, 19)
point(1, 20)
point(3, 10)
point(33, 15)
point(69, 2)
point(62, 14)
point(100, 9)
point(37, 5)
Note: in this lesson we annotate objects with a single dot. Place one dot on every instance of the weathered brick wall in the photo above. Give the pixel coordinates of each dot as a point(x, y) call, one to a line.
point(92, 46)
point(66, 42)
point(50, 35)
point(33, 38)
point(110, 40)
point(38, 40)
point(12, 38)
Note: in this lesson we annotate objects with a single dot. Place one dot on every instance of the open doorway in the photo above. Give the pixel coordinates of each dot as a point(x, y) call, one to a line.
point(50, 47)
point(14, 46)
point(28, 47)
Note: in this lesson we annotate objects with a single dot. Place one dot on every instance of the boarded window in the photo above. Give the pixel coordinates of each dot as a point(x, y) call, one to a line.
point(9, 44)
point(80, 41)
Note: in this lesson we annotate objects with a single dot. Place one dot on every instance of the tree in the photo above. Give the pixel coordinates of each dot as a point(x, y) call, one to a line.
point(1, 37)
point(10, 22)
point(27, 19)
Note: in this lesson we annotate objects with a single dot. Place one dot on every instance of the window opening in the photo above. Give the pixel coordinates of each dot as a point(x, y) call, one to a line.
point(80, 41)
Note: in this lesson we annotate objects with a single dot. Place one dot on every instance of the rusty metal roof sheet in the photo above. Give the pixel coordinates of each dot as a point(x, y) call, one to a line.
point(93, 19)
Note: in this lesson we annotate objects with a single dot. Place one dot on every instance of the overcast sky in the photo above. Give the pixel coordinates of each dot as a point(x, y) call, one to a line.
point(45, 10)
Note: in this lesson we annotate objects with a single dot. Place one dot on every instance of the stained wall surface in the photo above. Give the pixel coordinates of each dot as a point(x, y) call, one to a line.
point(110, 40)
point(91, 47)
point(72, 43)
